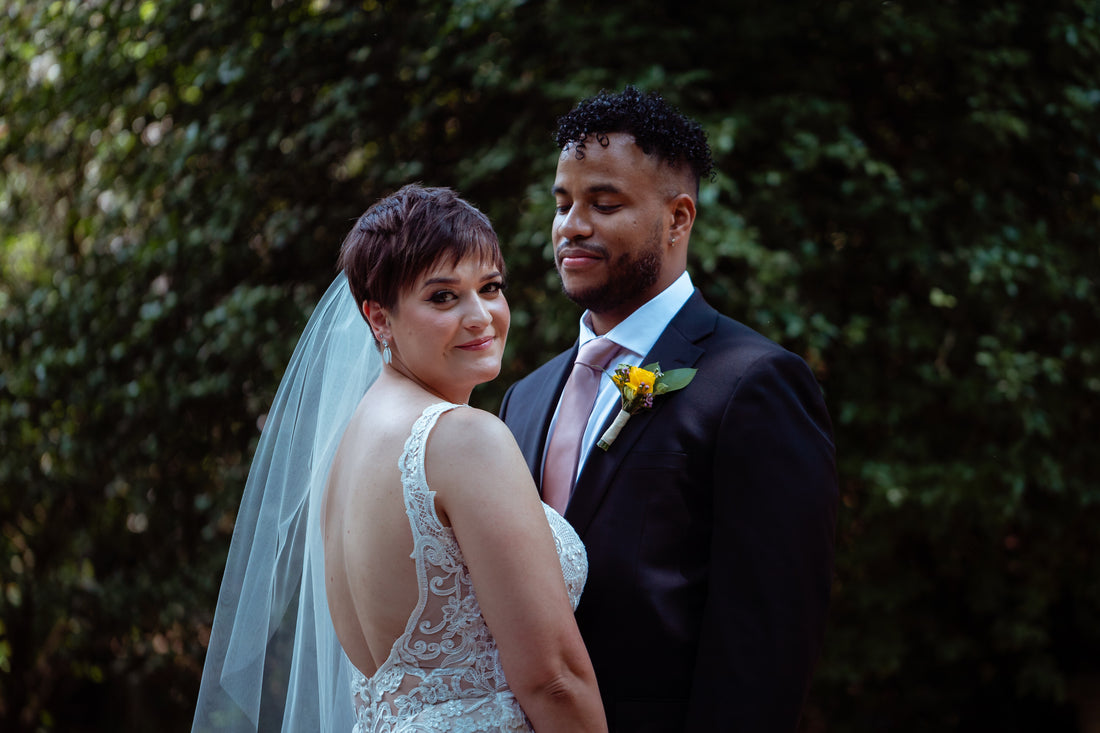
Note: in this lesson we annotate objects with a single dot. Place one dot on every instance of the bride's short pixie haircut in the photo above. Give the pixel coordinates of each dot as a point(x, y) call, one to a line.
point(407, 233)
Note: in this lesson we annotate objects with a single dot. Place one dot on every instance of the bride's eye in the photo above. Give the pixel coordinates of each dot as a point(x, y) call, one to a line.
point(441, 296)
point(497, 286)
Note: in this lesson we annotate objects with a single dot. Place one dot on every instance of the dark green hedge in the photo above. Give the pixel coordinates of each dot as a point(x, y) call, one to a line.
point(908, 196)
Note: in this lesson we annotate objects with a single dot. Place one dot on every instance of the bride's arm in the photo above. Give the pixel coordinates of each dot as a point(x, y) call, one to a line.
point(484, 490)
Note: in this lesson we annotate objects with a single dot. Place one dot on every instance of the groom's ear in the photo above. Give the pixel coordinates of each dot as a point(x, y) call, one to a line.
point(682, 213)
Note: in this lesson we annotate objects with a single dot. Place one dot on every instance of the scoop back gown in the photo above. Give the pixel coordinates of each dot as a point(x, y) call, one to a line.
point(444, 672)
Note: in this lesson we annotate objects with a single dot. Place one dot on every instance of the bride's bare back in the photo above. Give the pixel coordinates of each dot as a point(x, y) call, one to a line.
point(371, 578)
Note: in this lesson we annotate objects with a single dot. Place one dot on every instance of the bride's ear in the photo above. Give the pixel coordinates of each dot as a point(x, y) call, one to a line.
point(378, 319)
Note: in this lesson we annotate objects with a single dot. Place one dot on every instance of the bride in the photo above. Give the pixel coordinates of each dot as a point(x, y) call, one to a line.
point(392, 567)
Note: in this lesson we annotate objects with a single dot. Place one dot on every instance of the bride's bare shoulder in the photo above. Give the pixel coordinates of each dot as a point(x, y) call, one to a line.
point(474, 438)
point(470, 426)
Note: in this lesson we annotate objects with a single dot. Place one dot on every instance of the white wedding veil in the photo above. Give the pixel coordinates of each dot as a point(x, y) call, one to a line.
point(273, 662)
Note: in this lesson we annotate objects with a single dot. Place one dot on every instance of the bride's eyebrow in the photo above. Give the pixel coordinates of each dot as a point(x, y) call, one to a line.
point(452, 280)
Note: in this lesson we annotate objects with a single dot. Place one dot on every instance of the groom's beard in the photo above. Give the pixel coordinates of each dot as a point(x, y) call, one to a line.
point(627, 276)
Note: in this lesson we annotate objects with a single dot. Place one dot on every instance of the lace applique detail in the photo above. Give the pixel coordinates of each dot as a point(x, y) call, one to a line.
point(571, 554)
point(444, 672)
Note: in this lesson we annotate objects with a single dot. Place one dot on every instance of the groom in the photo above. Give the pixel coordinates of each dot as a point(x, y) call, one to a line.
point(709, 520)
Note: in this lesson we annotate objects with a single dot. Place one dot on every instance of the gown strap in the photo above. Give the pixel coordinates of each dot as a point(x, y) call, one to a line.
point(419, 498)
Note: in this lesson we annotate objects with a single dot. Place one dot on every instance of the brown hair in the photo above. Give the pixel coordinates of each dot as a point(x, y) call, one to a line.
point(407, 233)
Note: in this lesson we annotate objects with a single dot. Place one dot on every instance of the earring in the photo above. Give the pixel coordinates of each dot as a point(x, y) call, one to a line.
point(387, 357)
point(672, 240)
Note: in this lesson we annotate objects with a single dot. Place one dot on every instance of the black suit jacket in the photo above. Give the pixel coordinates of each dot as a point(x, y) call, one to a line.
point(709, 528)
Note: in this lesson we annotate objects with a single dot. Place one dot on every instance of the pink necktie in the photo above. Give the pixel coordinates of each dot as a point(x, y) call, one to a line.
point(560, 469)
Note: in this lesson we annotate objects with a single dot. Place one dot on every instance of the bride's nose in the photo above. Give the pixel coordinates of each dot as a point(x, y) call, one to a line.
point(477, 314)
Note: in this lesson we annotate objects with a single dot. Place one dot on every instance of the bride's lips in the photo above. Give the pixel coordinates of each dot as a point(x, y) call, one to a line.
point(477, 344)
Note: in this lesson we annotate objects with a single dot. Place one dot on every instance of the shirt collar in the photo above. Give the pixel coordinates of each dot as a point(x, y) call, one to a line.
point(641, 329)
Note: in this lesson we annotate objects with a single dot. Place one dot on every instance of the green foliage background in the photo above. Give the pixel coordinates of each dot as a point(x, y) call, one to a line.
point(908, 196)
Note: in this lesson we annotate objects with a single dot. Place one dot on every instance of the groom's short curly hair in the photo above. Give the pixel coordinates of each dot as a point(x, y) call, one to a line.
point(408, 232)
point(658, 128)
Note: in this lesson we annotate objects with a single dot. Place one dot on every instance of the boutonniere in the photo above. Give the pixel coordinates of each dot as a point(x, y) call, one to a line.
point(638, 386)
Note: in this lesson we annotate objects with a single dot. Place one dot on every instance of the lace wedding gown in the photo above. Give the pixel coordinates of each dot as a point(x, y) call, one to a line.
point(444, 672)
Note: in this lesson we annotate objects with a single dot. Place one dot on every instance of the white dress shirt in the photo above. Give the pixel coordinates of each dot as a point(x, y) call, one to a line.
point(636, 335)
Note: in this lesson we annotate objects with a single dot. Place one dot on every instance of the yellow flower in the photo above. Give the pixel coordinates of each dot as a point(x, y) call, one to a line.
point(638, 379)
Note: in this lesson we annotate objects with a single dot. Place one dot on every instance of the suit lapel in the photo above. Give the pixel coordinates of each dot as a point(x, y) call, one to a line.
point(542, 404)
point(677, 347)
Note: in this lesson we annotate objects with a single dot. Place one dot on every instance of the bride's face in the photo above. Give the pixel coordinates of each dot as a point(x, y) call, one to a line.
point(449, 328)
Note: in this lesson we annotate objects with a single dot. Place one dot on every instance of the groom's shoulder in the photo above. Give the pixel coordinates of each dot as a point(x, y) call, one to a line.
point(545, 370)
point(730, 331)
point(719, 330)
point(736, 344)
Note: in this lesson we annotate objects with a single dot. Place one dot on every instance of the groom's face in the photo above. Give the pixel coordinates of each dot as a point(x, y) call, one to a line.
point(611, 226)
